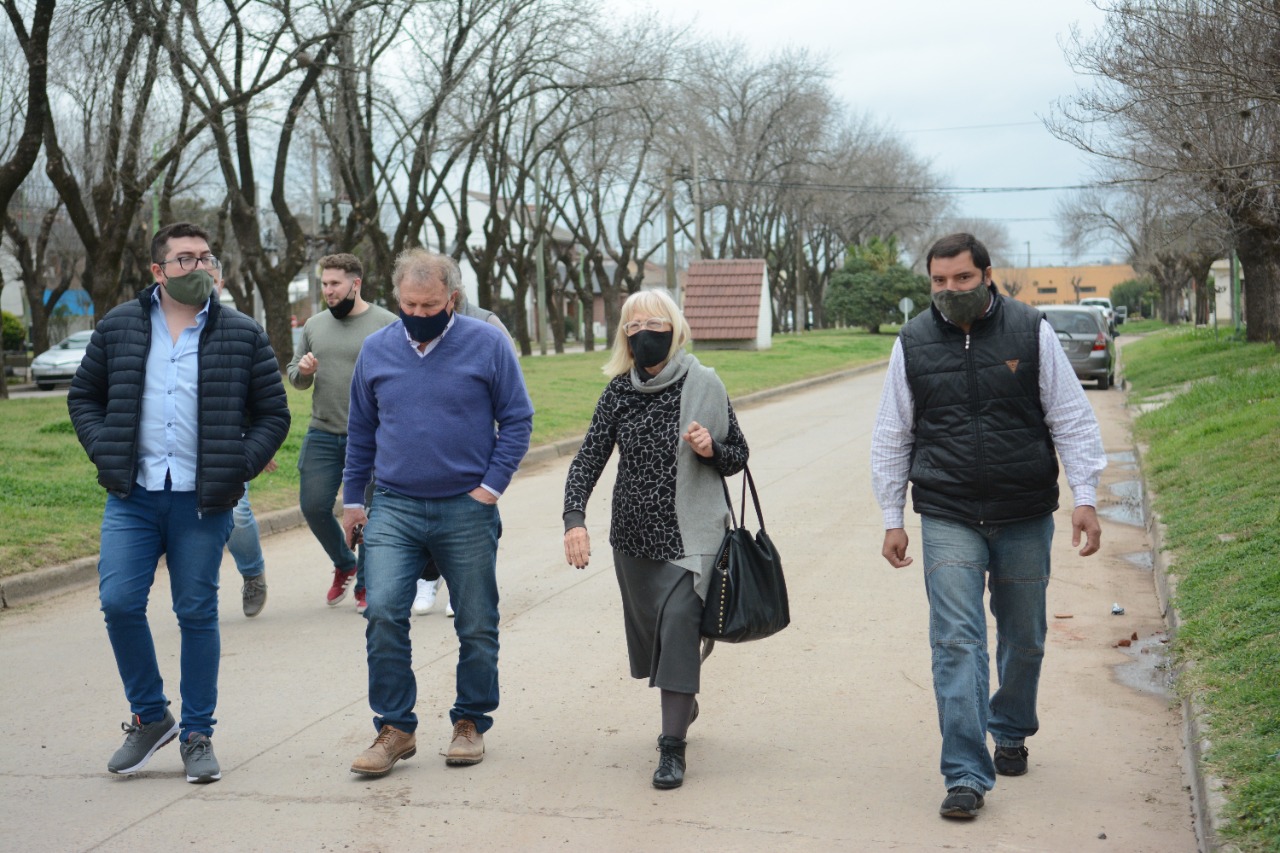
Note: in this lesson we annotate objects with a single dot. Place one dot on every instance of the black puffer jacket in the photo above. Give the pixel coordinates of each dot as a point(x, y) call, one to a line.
point(243, 411)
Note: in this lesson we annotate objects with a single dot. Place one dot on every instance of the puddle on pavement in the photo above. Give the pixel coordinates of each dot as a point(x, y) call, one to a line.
point(1129, 509)
point(1142, 559)
point(1149, 670)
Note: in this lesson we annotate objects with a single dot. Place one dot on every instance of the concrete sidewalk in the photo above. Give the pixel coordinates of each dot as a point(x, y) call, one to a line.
point(821, 738)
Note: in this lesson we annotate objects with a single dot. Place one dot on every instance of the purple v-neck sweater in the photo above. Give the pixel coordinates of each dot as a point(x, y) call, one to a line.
point(439, 425)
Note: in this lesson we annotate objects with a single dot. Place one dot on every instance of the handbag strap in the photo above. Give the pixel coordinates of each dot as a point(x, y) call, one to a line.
point(741, 516)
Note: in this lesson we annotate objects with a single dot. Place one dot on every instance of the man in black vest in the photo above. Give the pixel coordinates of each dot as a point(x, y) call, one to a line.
point(979, 403)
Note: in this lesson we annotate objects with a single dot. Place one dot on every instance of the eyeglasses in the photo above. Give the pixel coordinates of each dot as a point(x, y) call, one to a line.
point(653, 324)
point(187, 264)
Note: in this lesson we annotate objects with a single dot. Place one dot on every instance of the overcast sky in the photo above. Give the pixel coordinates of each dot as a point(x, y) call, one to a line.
point(966, 84)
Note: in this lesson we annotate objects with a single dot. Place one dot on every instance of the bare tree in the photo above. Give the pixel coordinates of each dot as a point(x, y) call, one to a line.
point(1159, 226)
point(223, 62)
point(1187, 88)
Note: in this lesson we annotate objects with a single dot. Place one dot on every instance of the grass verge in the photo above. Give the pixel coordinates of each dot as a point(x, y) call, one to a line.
point(52, 504)
point(1212, 462)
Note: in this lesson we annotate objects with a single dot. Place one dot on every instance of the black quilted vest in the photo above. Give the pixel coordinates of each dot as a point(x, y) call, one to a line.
point(982, 453)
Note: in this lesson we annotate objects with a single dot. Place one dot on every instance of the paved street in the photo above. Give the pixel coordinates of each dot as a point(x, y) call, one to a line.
point(821, 738)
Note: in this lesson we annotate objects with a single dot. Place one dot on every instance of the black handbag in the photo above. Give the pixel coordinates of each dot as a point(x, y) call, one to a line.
point(747, 599)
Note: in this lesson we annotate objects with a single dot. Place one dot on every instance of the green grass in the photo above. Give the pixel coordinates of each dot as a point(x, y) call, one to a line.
point(1212, 463)
point(52, 504)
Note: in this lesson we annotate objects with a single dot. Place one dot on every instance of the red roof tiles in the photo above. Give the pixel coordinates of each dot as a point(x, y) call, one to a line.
point(722, 299)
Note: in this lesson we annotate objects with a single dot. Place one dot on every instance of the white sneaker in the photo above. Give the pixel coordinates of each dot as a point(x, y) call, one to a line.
point(448, 605)
point(426, 597)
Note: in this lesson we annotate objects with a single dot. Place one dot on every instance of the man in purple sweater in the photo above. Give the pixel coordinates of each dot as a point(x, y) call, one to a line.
point(439, 421)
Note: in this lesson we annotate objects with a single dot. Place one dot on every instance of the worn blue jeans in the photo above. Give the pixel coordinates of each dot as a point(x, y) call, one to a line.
point(135, 532)
point(462, 535)
point(320, 464)
point(1012, 560)
point(245, 543)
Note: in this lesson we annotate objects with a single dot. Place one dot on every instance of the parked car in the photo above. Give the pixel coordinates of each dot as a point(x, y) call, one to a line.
point(1105, 304)
point(59, 362)
point(1090, 347)
point(1122, 314)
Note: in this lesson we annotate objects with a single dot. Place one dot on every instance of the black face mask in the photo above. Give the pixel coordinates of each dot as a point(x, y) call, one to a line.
point(343, 308)
point(425, 329)
point(650, 349)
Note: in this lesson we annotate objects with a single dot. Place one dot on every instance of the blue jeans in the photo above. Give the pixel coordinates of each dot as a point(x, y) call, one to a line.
point(245, 543)
point(135, 532)
point(959, 561)
point(462, 535)
point(320, 464)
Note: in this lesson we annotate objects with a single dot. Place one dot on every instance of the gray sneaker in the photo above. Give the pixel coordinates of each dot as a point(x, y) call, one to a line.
point(197, 757)
point(254, 594)
point(141, 742)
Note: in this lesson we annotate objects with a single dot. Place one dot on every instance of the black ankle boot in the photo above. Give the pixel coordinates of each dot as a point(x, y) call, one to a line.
point(670, 772)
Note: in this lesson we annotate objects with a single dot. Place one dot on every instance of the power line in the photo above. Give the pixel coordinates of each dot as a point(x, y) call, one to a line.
point(973, 127)
point(892, 190)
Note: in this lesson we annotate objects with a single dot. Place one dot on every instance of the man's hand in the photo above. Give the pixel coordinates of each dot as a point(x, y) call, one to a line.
point(351, 516)
point(1084, 519)
point(895, 548)
point(577, 547)
point(483, 495)
point(308, 364)
point(271, 466)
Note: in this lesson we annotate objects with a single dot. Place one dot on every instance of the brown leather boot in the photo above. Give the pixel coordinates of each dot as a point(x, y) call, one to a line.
point(388, 747)
point(467, 746)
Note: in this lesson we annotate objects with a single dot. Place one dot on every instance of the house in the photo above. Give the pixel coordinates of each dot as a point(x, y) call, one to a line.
point(727, 304)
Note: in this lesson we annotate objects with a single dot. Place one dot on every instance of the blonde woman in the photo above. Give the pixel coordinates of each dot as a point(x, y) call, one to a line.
point(676, 436)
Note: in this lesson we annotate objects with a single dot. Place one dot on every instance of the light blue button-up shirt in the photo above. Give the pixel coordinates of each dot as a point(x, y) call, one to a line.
point(169, 428)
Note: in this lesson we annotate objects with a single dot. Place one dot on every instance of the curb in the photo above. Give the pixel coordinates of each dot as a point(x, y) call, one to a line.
point(1207, 800)
point(33, 586)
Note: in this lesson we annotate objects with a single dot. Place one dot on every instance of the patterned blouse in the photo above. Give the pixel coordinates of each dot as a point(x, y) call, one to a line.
point(647, 429)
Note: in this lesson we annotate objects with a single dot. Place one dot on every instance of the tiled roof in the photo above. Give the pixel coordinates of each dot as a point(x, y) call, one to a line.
point(722, 299)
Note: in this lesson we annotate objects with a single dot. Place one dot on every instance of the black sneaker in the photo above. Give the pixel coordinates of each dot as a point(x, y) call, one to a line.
point(253, 594)
point(1011, 760)
point(962, 803)
point(197, 758)
point(141, 742)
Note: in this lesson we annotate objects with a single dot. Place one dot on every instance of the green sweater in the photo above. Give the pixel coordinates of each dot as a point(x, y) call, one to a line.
point(335, 344)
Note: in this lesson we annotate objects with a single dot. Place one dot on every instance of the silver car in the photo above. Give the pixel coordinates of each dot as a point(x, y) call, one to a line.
point(1086, 338)
point(59, 362)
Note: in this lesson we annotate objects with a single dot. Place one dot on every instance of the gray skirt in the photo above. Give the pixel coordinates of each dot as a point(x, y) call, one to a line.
point(662, 615)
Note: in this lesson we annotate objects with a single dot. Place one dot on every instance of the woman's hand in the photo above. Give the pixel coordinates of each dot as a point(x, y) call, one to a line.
point(577, 547)
point(699, 438)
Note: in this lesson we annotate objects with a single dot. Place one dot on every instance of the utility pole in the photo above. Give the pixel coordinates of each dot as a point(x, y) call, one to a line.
point(671, 239)
point(313, 281)
point(697, 207)
point(1028, 254)
point(540, 295)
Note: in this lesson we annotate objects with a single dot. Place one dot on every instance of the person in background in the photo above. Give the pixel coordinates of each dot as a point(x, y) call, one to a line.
point(978, 404)
point(331, 341)
point(245, 547)
point(677, 437)
point(177, 402)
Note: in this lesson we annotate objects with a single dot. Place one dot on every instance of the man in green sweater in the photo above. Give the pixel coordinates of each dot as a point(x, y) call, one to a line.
point(331, 341)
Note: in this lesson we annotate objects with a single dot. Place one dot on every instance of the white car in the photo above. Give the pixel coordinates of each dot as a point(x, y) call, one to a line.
point(59, 362)
point(1105, 304)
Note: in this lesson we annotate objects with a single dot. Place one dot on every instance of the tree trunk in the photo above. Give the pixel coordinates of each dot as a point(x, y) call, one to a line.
point(1260, 260)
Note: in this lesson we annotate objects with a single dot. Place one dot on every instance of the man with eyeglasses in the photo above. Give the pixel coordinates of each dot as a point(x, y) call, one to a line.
point(178, 402)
